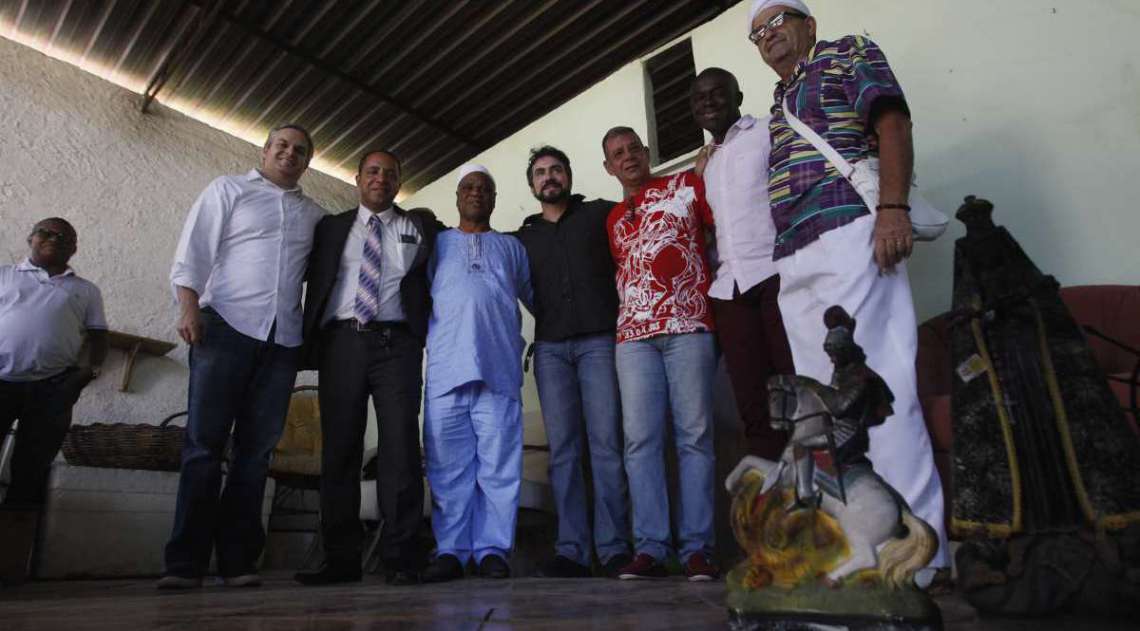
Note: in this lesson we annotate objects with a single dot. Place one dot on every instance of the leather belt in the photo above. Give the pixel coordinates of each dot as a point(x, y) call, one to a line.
point(369, 327)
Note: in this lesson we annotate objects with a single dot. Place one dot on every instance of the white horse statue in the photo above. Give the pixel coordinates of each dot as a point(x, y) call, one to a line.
point(880, 529)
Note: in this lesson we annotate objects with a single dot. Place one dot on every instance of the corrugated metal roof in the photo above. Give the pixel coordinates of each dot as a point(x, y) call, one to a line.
point(434, 81)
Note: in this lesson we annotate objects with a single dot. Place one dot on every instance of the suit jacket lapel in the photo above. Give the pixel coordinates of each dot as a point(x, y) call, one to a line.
point(421, 249)
point(340, 237)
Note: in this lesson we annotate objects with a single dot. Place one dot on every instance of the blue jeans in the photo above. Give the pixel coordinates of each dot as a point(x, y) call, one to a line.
point(243, 385)
point(669, 373)
point(577, 381)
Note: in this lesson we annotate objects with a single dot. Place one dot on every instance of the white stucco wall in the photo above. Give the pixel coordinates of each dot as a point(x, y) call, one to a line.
point(76, 146)
point(1033, 105)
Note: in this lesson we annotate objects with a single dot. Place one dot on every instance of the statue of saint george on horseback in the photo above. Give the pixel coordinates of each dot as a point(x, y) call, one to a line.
point(825, 467)
point(829, 442)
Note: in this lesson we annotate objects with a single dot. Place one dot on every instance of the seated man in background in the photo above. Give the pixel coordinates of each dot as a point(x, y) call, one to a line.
point(472, 399)
point(46, 311)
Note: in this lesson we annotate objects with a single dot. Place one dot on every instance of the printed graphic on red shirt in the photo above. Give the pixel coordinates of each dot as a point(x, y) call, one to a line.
point(657, 241)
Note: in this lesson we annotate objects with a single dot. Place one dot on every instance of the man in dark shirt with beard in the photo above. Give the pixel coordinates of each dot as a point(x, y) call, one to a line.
point(576, 315)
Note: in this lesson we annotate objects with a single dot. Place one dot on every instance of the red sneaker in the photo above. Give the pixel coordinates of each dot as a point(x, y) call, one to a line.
point(698, 568)
point(642, 566)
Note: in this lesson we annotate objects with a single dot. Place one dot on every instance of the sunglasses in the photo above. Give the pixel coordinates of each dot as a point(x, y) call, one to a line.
point(762, 31)
point(53, 235)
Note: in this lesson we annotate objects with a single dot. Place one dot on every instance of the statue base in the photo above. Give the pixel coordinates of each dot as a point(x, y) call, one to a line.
point(810, 607)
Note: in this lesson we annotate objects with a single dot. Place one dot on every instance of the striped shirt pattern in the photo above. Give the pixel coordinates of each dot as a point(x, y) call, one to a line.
point(832, 91)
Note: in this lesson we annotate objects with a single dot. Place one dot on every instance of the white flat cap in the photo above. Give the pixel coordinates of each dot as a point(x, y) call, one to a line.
point(760, 5)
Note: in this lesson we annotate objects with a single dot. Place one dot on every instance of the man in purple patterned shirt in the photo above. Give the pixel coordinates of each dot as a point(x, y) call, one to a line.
point(833, 250)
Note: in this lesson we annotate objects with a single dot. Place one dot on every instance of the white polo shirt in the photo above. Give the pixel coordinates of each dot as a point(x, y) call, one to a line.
point(736, 187)
point(43, 320)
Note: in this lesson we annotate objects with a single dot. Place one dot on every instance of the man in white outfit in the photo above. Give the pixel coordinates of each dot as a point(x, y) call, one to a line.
point(833, 250)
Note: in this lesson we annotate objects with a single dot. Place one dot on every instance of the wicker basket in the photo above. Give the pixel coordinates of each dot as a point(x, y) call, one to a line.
point(126, 446)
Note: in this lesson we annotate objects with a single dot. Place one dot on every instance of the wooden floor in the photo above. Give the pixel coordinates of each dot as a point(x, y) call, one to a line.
point(527, 603)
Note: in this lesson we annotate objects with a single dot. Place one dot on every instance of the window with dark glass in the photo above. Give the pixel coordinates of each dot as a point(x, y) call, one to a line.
point(669, 75)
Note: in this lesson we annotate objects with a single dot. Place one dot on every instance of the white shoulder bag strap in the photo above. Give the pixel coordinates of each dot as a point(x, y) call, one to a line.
point(927, 222)
point(846, 169)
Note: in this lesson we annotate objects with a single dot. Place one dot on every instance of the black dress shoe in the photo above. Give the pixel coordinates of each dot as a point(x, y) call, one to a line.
point(562, 567)
point(445, 567)
point(494, 566)
point(329, 574)
point(401, 577)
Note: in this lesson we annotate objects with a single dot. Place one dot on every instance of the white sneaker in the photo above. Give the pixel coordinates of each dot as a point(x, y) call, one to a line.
point(243, 580)
point(178, 582)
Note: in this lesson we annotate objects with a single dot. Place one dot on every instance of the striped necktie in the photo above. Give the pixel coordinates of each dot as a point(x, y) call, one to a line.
point(367, 307)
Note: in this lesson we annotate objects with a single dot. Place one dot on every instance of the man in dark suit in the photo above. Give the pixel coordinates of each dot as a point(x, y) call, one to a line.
point(366, 312)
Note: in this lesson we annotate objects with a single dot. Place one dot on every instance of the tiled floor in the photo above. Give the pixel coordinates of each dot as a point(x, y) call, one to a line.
point(468, 604)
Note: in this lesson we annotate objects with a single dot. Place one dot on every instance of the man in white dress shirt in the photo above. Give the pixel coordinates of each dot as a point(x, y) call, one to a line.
point(237, 274)
point(745, 288)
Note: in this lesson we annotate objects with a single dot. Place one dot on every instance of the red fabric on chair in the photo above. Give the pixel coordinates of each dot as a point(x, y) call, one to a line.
point(1114, 310)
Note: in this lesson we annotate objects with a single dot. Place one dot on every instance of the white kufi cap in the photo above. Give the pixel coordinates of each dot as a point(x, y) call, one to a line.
point(760, 5)
point(470, 168)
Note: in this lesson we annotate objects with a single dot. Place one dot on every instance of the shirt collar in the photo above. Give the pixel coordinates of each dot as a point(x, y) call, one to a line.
point(28, 266)
point(746, 121)
point(800, 66)
point(255, 176)
point(386, 215)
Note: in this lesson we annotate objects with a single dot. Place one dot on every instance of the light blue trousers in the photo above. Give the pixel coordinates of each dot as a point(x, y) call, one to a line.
point(473, 444)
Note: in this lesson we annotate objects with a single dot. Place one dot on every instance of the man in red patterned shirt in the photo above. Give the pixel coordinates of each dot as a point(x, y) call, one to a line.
point(665, 354)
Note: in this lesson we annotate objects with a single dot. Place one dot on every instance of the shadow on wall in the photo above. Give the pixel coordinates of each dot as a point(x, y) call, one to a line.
point(999, 167)
point(157, 389)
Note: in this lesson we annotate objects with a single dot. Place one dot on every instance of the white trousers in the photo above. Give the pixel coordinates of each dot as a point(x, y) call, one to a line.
point(839, 269)
point(473, 444)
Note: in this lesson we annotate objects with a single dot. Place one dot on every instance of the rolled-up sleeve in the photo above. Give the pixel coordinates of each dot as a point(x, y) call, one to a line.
point(94, 318)
point(201, 237)
point(868, 76)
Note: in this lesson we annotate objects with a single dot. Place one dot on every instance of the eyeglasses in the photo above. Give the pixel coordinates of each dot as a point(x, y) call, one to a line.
point(777, 21)
point(52, 235)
